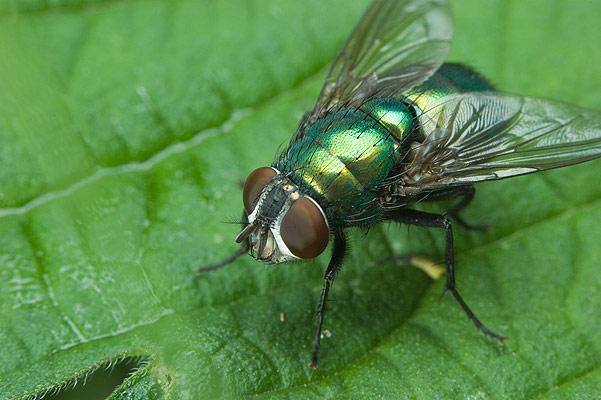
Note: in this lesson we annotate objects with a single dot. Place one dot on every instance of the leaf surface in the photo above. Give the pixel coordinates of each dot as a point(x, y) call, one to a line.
point(125, 129)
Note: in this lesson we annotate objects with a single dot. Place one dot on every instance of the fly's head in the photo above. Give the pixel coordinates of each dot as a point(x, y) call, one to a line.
point(283, 224)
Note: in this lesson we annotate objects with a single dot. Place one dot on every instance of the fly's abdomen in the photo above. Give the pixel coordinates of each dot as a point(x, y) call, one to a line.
point(449, 79)
point(343, 159)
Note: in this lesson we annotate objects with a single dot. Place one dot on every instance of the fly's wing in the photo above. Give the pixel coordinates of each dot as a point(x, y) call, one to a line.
point(395, 46)
point(484, 136)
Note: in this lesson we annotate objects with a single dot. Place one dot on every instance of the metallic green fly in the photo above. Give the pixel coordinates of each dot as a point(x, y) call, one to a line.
point(393, 126)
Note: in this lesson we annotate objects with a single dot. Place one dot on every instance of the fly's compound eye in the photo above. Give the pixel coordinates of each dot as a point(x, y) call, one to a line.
point(304, 229)
point(255, 183)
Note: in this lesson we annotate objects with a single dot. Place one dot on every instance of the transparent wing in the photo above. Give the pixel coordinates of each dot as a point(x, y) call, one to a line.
point(395, 46)
point(484, 136)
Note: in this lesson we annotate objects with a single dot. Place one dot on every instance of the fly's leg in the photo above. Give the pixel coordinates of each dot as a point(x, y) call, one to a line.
point(242, 250)
point(467, 195)
point(338, 253)
point(419, 218)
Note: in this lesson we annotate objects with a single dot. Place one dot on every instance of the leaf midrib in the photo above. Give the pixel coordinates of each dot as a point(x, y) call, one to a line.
point(235, 116)
point(67, 8)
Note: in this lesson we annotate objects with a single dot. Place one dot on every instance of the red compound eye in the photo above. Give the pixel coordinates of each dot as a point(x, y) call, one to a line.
point(255, 183)
point(304, 229)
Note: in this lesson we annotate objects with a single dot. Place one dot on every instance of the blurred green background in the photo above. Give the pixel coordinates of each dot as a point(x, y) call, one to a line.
point(125, 127)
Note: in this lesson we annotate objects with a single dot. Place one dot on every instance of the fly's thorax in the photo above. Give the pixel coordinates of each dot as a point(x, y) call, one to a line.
point(345, 157)
point(283, 223)
point(393, 114)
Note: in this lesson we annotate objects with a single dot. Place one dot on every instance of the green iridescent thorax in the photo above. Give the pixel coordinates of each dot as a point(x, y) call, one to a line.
point(392, 114)
point(343, 158)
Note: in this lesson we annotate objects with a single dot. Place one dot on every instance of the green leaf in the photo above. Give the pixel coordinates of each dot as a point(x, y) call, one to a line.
point(125, 129)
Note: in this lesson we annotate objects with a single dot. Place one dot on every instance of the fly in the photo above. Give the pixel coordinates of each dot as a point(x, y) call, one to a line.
point(393, 126)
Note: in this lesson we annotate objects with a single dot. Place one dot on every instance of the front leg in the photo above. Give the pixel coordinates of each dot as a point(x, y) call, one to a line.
point(420, 218)
point(338, 252)
point(242, 250)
